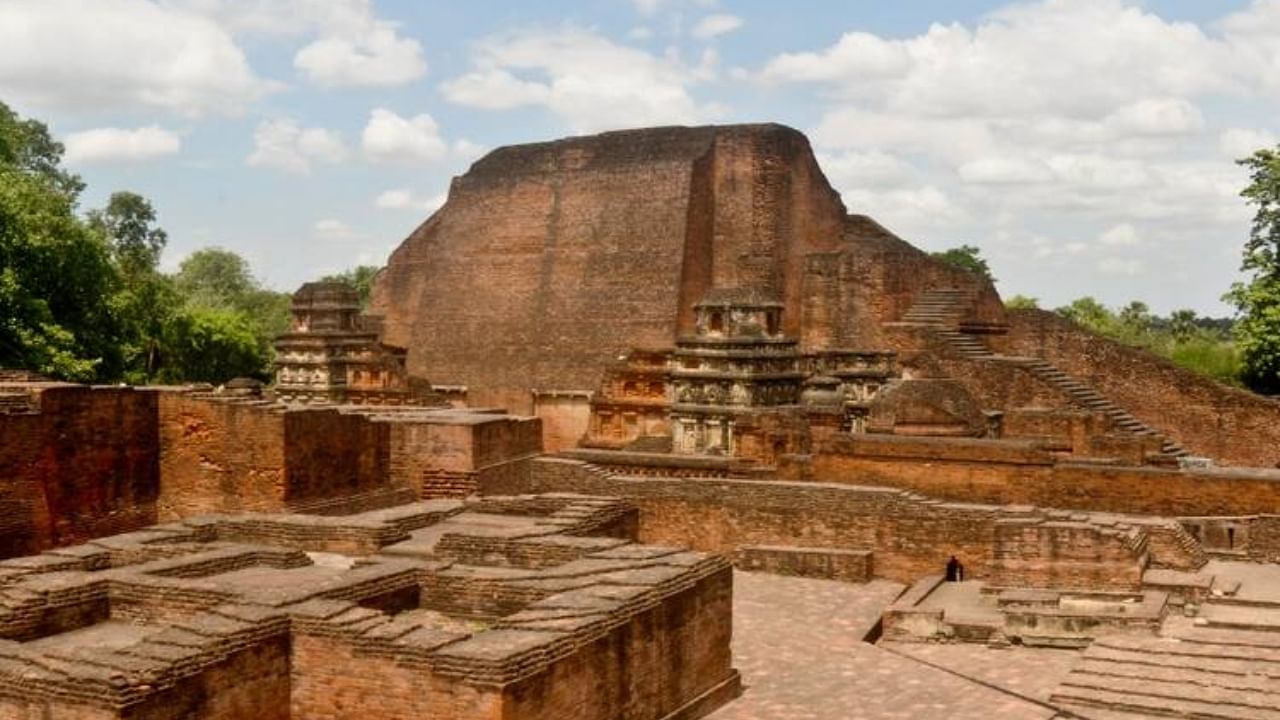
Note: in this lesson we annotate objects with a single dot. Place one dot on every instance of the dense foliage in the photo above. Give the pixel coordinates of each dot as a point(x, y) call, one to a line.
point(82, 297)
point(1204, 345)
point(1258, 299)
point(965, 257)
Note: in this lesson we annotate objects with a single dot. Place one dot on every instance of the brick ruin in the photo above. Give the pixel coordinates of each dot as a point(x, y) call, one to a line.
point(518, 607)
point(684, 342)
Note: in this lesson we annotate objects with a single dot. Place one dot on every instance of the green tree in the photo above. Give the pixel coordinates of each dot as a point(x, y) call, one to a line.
point(128, 223)
point(1258, 300)
point(1090, 313)
point(1182, 324)
point(218, 279)
point(359, 277)
point(1022, 302)
point(208, 345)
point(965, 257)
point(55, 273)
point(214, 278)
point(144, 301)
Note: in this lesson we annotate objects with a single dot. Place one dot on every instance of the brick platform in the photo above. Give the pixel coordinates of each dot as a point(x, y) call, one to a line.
point(529, 607)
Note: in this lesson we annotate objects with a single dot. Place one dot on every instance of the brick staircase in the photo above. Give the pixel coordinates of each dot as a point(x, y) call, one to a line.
point(1194, 672)
point(940, 311)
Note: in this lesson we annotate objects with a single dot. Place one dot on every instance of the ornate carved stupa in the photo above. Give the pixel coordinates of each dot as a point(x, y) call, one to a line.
point(737, 361)
point(333, 354)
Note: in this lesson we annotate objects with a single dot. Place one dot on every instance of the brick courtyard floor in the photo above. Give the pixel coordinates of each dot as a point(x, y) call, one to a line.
point(797, 643)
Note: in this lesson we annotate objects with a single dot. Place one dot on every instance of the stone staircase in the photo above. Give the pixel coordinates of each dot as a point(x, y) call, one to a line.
point(939, 307)
point(940, 312)
point(1194, 672)
point(1089, 398)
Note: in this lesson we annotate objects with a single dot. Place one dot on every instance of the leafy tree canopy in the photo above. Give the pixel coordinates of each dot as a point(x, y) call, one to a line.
point(965, 257)
point(359, 277)
point(1258, 299)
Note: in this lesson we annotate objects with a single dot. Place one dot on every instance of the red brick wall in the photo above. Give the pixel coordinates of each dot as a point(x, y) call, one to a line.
point(219, 456)
point(332, 681)
point(647, 667)
point(590, 246)
point(983, 471)
point(330, 454)
point(1208, 418)
point(909, 538)
point(82, 467)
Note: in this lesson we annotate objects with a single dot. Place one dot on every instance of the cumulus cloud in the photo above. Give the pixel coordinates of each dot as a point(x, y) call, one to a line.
point(347, 44)
point(405, 199)
point(589, 81)
point(388, 137)
point(120, 144)
point(1121, 266)
point(376, 56)
point(1122, 234)
point(1236, 143)
point(715, 25)
point(121, 54)
point(282, 144)
point(1055, 118)
point(333, 229)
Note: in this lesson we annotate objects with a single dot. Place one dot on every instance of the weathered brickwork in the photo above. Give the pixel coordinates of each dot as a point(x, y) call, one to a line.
point(296, 616)
point(908, 535)
point(1013, 473)
point(1234, 426)
point(77, 462)
point(82, 462)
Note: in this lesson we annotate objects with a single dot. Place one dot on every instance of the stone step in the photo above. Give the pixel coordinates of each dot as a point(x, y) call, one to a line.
point(1185, 676)
point(1168, 707)
point(1175, 652)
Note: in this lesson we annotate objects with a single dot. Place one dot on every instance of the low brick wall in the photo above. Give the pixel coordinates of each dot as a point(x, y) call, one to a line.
point(824, 563)
point(909, 535)
point(1014, 473)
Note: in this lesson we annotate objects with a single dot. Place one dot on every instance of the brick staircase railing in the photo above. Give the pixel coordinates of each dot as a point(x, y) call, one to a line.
point(940, 311)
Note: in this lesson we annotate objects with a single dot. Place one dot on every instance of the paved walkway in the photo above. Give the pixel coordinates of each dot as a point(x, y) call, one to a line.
point(798, 645)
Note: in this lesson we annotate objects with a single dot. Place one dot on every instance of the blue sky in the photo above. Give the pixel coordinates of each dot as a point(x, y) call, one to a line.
point(1085, 145)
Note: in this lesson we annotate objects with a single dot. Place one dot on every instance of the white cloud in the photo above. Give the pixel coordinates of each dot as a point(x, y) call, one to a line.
point(106, 144)
point(349, 45)
point(714, 25)
point(1121, 266)
point(495, 89)
point(466, 151)
point(389, 137)
point(404, 199)
point(332, 229)
point(330, 226)
point(1122, 234)
point(999, 170)
point(874, 169)
point(376, 56)
point(582, 77)
point(1237, 143)
point(121, 54)
point(1081, 119)
point(284, 145)
point(1157, 116)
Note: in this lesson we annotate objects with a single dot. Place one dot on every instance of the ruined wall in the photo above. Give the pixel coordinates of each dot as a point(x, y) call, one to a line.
point(448, 459)
point(908, 536)
point(1208, 418)
point(80, 465)
point(331, 454)
point(875, 278)
point(219, 456)
point(648, 668)
point(550, 260)
point(566, 417)
point(1017, 473)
